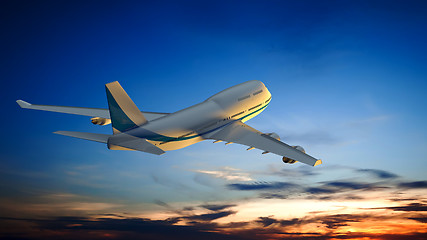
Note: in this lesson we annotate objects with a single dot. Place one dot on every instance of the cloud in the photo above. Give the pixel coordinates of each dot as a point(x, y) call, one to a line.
point(228, 173)
point(422, 219)
point(273, 196)
point(412, 207)
point(217, 207)
point(320, 190)
point(339, 220)
point(101, 228)
point(210, 216)
point(233, 220)
point(414, 185)
point(261, 186)
point(301, 171)
point(161, 203)
point(349, 185)
point(379, 173)
point(266, 221)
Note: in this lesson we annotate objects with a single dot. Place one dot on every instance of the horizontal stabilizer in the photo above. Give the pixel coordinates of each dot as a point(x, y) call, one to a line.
point(97, 137)
point(131, 142)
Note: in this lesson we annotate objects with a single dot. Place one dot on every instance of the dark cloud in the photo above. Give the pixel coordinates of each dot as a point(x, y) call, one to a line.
point(210, 216)
point(320, 190)
point(261, 186)
point(402, 199)
point(272, 196)
point(349, 185)
point(261, 228)
point(412, 207)
point(422, 219)
point(416, 184)
point(266, 221)
point(101, 228)
point(111, 215)
point(339, 220)
point(161, 203)
point(217, 207)
point(291, 222)
point(379, 173)
point(188, 209)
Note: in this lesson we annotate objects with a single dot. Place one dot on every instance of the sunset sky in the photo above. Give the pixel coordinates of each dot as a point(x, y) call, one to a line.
point(348, 81)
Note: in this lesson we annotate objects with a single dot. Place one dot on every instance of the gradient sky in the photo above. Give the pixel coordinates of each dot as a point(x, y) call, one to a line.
point(349, 84)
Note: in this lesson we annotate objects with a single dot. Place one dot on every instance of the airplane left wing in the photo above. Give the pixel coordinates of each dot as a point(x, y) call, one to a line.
point(92, 112)
point(238, 132)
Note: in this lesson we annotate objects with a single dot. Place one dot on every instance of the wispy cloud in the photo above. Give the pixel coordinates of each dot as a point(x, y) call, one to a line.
point(379, 173)
point(228, 173)
point(261, 186)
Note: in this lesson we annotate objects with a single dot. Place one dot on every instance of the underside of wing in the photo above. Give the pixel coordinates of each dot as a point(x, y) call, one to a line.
point(238, 132)
point(92, 112)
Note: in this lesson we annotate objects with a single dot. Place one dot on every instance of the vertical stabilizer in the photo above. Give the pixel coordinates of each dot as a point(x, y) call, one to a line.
point(124, 114)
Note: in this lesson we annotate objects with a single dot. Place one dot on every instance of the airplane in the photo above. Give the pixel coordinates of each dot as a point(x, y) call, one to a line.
point(220, 118)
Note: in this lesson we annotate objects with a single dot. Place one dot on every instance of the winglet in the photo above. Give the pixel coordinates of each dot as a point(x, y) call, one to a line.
point(23, 104)
point(318, 162)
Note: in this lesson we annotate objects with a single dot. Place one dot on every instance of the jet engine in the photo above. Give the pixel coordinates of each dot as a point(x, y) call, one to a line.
point(299, 148)
point(288, 160)
point(273, 135)
point(291, 161)
point(100, 121)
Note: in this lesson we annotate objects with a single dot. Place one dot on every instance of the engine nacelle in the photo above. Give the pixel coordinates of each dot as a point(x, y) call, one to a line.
point(299, 148)
point(290, 160)
point(100, 121)
point(273, 135)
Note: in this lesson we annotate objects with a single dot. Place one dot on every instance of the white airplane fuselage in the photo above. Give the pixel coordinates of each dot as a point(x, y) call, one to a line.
point(185, 127)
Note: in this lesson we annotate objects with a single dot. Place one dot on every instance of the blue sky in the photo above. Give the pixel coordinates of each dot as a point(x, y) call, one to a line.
point(348, 81)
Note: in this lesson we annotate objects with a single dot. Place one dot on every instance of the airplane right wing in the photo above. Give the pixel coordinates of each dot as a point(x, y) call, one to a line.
point(241, 133)
point(92, 112)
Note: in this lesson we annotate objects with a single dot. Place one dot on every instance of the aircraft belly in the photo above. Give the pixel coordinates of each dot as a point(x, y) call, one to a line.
point(174, 145)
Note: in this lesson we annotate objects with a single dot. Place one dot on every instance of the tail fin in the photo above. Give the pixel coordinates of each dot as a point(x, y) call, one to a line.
point(123, 112)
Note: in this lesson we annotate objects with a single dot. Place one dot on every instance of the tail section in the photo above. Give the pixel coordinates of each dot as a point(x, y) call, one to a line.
point(124, 114)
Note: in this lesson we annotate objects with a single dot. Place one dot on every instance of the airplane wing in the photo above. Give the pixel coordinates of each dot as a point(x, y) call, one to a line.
point(122, 140)
point(238, 132)
point(92, 112)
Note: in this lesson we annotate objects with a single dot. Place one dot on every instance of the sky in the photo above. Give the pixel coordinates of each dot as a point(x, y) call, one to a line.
point(348, 81)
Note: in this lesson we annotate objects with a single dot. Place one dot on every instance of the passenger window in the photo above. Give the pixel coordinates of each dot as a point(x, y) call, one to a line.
point(257, 92)
point(243, 98)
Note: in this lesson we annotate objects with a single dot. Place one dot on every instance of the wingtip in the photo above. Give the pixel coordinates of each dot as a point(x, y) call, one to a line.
point(23, 104)
point(318, 162)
